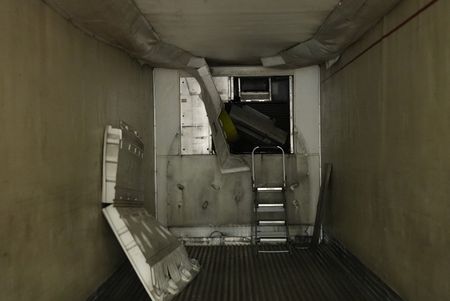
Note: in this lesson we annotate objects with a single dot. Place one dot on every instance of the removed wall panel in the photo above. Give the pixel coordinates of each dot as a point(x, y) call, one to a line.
point(158, 258)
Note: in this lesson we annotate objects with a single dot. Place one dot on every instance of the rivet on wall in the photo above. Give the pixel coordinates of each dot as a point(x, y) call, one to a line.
point(215, 186)
point(293, 186)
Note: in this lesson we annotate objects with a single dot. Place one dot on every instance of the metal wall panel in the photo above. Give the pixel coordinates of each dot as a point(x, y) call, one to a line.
point(191, 189)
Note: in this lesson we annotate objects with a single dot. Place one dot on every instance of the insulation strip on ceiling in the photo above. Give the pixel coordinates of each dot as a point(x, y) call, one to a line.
point(344, 26)
point(121, 24)
point(159, 259)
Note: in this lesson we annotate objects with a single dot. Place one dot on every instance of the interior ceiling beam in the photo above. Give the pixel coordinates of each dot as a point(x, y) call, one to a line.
point(345, 25)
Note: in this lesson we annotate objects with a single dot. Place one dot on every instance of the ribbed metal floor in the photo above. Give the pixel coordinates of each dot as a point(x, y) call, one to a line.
point(237, 273)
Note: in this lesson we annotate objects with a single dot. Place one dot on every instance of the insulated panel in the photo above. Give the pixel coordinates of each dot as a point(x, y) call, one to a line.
point(159, 259)
point(195, 130)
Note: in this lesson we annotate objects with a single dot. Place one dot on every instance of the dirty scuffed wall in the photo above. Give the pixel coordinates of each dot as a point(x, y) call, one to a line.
point(385, 128)
point(58, 89)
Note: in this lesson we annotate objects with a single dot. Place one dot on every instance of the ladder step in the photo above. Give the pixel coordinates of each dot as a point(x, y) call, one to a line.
point(272, 239)
point(270, 204)
point(271, 222)
point(269, 189)
point(270, 207)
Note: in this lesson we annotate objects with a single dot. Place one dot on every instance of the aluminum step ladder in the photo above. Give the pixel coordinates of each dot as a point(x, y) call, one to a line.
point(270, 227)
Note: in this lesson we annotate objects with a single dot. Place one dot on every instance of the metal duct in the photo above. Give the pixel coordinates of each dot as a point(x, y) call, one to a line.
point(344, 26)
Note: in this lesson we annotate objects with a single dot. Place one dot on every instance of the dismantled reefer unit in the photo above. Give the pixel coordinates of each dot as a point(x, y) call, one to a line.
point(230, 150)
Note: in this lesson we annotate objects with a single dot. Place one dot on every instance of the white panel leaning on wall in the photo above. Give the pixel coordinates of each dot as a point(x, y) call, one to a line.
point(159, 259)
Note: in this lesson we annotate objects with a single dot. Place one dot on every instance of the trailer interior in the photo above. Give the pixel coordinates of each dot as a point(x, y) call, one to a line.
point(225, 150)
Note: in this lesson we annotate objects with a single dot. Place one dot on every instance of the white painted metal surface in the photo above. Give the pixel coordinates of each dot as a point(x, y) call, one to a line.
point(214, 107)
point(307, 127)
point(195, 130)
point(111, 145)
point(159, 259)
point(229, 197)
point(269, 188)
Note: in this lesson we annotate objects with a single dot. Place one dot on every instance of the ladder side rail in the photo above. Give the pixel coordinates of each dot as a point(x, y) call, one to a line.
point(283, 158)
